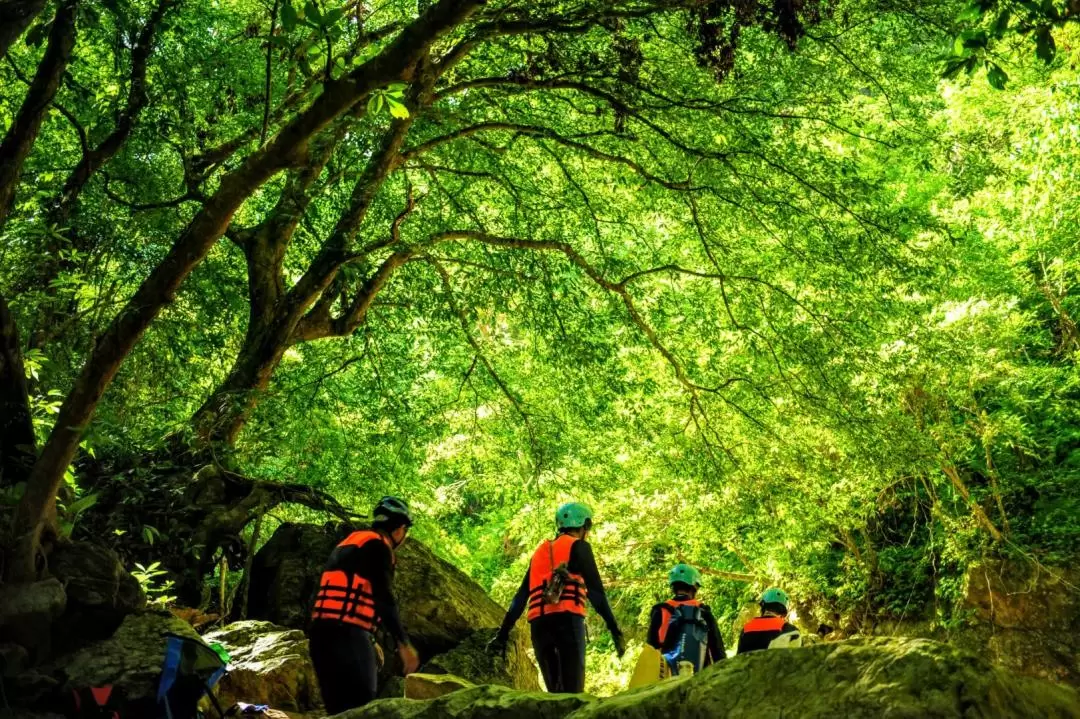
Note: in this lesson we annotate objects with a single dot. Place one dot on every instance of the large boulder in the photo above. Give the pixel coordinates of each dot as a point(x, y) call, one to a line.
point(27, 613)
point(470, 659)
point(440, 606)
point(269, 665)
point(100, 592)
point(896, 678)
point(130, 660)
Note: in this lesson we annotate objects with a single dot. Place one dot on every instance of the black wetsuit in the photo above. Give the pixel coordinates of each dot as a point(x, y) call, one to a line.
point(344, 654)
point(658, 616)
point(559, 639)
point(760, 632)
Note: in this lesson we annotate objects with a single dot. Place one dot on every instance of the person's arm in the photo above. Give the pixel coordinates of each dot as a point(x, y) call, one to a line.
point(517, 606)
point(378, 567)
point(583, 563)
point(716, 641)
point(741, 646)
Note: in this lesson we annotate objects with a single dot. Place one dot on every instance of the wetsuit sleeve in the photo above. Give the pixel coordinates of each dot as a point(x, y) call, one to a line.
point(517, 606)
point(656, 619)
point(716, 641)
point(375, 562)
point(583, 563)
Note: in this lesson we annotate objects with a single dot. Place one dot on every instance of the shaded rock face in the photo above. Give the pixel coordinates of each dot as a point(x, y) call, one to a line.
point(896, 678)
point(27, 613)
point(441, 607)
point(130, 660)
point(470, 659)
point(100, 591)
point(269, 665)
point(1028, 618)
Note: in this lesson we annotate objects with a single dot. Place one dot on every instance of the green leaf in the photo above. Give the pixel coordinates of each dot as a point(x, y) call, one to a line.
point(397, 109)
point(331, 17)
point(311, 12)
point(82, 504)
point(1045, 48)
point(288, 17)
point(996, 76)
point(1001, 23)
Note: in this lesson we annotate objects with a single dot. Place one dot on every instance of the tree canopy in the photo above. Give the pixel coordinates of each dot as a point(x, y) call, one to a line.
point(752, 279)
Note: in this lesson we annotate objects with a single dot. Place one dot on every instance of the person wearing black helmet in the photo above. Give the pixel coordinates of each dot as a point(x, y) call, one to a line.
point(354, 597)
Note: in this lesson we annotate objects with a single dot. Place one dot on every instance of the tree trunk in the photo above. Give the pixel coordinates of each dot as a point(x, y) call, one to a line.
point(36, 512)
point(20, 137)
point(225, 412)
point(17, 446)
point(15, 17)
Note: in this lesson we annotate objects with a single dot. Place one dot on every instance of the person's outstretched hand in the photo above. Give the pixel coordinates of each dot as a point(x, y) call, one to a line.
point(497, 646)
point(620, 644)
point(409, 658)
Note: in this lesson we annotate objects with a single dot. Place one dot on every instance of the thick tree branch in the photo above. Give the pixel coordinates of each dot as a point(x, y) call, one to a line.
point(20, 137)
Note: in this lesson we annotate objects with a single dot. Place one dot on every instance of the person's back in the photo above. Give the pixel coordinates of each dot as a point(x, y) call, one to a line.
point(562, 575)
point(771, 630)
point(355, 597)
point(682, 627)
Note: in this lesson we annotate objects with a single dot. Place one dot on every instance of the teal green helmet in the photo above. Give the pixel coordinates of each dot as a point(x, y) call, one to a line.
point(572, 515)
point(775, 595)
point(686, 574)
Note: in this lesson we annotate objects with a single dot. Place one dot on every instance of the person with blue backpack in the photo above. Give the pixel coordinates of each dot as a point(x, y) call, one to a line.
point(682, 628)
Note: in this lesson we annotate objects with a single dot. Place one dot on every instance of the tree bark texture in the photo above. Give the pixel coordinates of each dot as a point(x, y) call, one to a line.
point(17, 450)
point(15, 17)
point(20, 137)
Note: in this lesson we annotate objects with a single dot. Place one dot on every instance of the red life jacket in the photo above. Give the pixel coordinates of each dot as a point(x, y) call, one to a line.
point(549, 555)
point(765, 624)
point(346, 598)
point(670, 606)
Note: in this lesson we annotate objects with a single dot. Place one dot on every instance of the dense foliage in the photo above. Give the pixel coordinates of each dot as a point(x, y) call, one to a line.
point(754, 281)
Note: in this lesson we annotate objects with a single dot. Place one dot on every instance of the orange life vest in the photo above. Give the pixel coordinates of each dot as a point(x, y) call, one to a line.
point(765, 624)
point(671, 605)
point(549, 555)
point(348, 598)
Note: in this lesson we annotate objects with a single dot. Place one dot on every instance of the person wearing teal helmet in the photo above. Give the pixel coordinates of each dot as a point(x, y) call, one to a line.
point(562, 574)
point(682, 627)
point(771, 630)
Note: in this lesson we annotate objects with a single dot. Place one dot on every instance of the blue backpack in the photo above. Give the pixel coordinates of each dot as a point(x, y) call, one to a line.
point(190, 671)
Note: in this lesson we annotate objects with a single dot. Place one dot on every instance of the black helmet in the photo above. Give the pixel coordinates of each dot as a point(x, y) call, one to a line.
point(392, 512)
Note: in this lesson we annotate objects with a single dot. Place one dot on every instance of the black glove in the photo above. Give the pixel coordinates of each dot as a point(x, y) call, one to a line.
point(620, 644)
point(497, 646)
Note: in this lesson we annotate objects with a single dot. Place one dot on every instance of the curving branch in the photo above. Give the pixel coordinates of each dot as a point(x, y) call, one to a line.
point(21, 135)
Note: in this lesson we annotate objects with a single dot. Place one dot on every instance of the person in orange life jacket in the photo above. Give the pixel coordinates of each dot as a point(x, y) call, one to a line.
point(353, 598)
point(685, 582)
point(771, 630)
point(558, 629)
